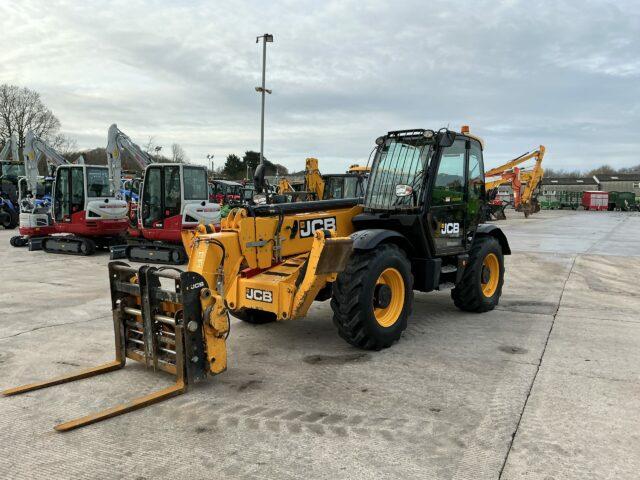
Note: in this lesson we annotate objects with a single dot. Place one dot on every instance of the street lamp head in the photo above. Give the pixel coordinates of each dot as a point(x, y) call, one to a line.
point(267, 38)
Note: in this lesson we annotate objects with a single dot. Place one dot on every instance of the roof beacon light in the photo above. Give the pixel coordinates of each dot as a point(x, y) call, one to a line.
point(464, 129)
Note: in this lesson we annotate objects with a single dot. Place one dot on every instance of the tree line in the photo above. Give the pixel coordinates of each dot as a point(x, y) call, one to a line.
point(236, 168)
point(601, 170)
point(22, 109)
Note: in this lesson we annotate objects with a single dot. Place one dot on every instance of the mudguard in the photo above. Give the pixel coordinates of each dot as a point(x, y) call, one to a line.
point(494, 231)
point(370, 238)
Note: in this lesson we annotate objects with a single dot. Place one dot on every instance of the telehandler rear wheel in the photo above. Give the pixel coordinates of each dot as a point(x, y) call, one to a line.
point(373, 297)
point(256, 317)
point(481, 284)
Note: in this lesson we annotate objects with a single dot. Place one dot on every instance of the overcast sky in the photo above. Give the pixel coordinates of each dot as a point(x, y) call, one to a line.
point(520, 73)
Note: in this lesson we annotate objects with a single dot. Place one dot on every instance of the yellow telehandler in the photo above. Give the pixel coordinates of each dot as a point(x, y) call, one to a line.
point(419, 227)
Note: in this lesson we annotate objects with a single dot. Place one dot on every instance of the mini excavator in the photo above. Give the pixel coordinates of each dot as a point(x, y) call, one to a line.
point(85, 213)
point(174, 197)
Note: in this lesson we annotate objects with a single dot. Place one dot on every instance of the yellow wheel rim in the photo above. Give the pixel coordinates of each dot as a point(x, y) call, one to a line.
point(490, 275)
point(389, 314)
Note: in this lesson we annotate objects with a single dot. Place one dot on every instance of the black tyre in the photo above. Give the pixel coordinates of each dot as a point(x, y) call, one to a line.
point(257, 317)
point(18, 241)
point(87, 247)
point(10, 220)
point(373, 297)
point(481, 284)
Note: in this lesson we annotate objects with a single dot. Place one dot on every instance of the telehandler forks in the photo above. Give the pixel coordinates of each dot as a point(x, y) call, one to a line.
point(148, 328)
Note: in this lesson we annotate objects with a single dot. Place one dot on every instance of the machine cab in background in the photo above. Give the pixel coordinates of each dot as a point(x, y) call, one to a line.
point(175, 196)
point(81, 194)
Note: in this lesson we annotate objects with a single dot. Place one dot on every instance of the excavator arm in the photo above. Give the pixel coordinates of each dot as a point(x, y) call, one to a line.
point(34, 149)
point(537, 154)
point(523, 182)
point(117, 141)
point(313, 181)
point(532, 179)
point(10, 146)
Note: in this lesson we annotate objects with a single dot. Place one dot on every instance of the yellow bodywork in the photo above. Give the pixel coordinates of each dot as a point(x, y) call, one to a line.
point(284, 186)
point(276, 264)
point(313, 181)
point(355, 168)
point(509, 173)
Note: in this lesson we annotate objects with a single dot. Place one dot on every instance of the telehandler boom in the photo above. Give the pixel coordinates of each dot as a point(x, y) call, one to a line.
point(419, 227)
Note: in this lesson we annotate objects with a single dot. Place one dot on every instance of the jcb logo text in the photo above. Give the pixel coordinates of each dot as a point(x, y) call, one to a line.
point(309, 227)
point(449, 228)
point(259, 295)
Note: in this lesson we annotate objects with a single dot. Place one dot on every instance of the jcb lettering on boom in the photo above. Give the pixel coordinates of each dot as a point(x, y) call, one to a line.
point(259, 295)
point(309, 227)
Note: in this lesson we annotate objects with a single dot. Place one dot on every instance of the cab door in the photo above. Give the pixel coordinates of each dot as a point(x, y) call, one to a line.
point(447, 212)
point(475, 188)
point(151, 205)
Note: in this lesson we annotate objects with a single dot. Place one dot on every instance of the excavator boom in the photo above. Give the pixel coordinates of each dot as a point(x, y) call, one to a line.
point(523, 182)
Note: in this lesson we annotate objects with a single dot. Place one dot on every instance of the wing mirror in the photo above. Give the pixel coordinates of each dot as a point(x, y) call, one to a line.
point(403, 190)
point(258, 178)
point(260, 199)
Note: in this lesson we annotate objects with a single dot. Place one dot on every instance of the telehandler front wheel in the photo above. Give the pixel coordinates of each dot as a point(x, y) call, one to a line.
point(481, 284)
point(373, 297)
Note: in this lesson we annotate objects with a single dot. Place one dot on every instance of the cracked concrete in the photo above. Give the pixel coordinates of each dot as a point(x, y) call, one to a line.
point(545, 386)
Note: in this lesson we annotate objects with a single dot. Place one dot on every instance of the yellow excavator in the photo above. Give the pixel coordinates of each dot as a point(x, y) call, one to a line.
point(420, 226)
point(328, 186)
point(524, 183)
point(313, 184)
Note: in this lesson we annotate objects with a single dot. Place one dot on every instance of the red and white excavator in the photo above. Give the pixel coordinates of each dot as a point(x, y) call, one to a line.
point(85, 213)
point(174, 197)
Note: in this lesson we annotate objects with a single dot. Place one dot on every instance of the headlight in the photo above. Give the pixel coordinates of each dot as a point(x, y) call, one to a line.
point(259, 199)
point(380, 141)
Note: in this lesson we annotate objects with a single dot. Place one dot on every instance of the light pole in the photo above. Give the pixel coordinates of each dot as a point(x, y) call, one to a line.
point(267, 37)
point(210, 158)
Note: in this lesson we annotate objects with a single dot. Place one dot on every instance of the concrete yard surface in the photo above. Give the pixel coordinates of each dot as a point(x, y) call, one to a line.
point(547, 386)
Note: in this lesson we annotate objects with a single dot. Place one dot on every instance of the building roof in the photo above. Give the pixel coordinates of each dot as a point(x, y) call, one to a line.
point(569, 181)
point(618, 177)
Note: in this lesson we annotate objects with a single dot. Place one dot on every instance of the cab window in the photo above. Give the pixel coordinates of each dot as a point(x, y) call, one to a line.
point(448, 188)
point(172, 192)
point(195, 183)
point(77, 189)
point(476, 171)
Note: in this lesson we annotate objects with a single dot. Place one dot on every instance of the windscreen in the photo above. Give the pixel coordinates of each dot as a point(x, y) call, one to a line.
point(13, 170)
point(195, 184)
point(97, 182)
point(400, 161)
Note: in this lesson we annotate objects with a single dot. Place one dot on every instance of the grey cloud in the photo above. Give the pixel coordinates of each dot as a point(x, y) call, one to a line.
point(520, 73)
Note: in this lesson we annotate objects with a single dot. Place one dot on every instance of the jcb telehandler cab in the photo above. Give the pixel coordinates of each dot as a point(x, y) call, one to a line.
point(418, 228)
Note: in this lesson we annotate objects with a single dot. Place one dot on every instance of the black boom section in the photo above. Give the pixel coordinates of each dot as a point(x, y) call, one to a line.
point(302, 207)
